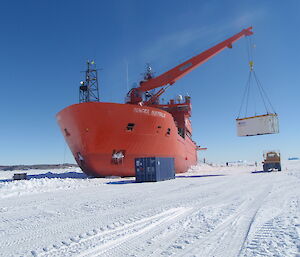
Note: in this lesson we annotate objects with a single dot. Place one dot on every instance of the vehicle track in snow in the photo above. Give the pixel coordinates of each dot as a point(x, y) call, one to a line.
point(278, 236)
point(71, 246)
point(235, 215)
point(110, 242)
point(69, 242)
point(26, 229)
point(221, 235)
point(181, 231)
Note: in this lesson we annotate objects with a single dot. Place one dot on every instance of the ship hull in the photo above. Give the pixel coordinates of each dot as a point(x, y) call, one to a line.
point(105, 138)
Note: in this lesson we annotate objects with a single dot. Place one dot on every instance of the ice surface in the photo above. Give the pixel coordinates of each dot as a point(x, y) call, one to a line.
point(209, 211)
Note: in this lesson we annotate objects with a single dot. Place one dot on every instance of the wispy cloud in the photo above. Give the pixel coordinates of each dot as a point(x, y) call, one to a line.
point(174, 41)
point(248, 18)
point(171, 43)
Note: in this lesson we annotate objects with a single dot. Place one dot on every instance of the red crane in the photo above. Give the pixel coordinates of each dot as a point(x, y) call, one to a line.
point(170, 77)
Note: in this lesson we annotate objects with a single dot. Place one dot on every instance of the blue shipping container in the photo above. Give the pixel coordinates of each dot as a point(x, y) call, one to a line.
point(152, 169)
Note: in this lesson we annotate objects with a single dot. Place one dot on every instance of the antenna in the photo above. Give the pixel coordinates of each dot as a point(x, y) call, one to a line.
point(127, 78)
point(89, 90)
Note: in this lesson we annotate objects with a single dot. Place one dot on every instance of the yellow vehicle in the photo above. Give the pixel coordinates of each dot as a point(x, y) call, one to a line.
point(272, 161)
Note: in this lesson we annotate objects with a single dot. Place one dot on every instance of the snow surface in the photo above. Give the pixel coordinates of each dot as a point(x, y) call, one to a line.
point(208, 211)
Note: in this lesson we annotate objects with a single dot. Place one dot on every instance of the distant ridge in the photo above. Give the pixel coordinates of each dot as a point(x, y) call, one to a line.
point(38, 166)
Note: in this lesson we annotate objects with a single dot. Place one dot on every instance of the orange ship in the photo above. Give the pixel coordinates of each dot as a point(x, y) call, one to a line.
point(105, 138)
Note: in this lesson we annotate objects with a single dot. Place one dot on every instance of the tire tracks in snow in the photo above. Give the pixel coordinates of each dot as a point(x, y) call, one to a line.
point(174, 231)
point(226, 237)
point(276, 236)
point(112, 241)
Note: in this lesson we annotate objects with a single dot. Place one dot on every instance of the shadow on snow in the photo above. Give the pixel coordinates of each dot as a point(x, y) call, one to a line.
point(72, 174)
point(51, 175)
point(180, 176)
point(259, 171)
point(199, 176)
point(121, 182)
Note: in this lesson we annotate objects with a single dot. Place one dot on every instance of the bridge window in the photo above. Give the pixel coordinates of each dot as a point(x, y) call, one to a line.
point(181, 132)
point(130, 126)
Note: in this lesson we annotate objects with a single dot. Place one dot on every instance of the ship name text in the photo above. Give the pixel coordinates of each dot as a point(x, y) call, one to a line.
point(150, 112)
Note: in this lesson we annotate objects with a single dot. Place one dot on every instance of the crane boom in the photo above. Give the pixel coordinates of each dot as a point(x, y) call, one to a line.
point(171, 76)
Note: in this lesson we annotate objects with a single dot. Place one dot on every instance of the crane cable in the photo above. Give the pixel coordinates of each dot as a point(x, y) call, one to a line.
point(262, 92)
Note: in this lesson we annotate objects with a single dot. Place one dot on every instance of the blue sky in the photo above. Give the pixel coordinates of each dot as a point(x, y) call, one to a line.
point(44, 46)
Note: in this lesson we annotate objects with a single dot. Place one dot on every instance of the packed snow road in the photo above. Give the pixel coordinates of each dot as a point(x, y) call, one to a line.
point(209, 211)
